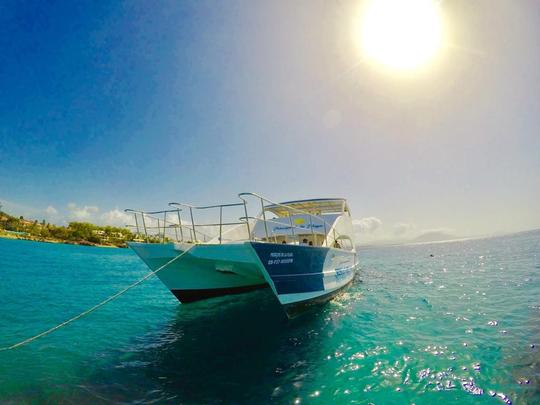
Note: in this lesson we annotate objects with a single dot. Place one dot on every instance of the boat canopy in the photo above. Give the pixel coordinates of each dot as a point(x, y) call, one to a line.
point(299, 224)
point(314, 206)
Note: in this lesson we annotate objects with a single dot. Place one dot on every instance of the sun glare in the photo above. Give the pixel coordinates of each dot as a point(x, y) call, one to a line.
point(401, 34)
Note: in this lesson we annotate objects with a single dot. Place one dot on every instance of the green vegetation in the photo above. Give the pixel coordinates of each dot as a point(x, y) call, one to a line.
point(82, 233)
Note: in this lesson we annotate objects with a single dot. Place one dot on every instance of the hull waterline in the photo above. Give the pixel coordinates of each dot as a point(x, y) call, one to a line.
point(297, 308)
point(192, 295)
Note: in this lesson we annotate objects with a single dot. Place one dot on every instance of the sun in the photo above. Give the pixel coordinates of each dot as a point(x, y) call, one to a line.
point(401, 34)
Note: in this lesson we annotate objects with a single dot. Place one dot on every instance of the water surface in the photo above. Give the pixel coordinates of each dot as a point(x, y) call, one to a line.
point(462, 326)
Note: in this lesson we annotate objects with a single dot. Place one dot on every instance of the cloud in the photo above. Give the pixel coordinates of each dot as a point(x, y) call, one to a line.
point(368, 224)
point(435, 234)
point(401, 228)
point(51, 211)
point(116, 218)
point(441, 229)
point(332, 119)
point(82, 213)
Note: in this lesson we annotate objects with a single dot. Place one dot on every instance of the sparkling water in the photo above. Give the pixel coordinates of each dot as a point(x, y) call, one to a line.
point(457, 322)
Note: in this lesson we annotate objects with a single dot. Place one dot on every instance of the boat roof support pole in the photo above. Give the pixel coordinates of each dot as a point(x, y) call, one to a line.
point(290, 220)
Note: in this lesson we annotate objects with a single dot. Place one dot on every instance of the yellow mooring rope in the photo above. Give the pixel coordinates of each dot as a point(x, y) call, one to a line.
point(82, 314)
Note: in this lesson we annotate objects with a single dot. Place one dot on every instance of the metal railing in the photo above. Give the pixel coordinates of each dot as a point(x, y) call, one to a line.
point(189, 231)
point(221, 224)
point(144, 216)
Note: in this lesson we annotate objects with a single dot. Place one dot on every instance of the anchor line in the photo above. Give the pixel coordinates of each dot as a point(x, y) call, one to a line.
point(92, 309)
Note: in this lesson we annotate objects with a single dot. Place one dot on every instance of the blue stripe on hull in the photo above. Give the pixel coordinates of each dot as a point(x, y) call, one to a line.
point(301, 269)
point(293, 268)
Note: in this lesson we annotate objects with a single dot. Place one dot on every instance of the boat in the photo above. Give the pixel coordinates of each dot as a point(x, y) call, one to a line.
point(303, 250)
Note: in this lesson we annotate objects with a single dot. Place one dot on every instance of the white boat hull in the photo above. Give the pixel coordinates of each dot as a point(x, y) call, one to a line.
point(299, 275)
point(206, 271)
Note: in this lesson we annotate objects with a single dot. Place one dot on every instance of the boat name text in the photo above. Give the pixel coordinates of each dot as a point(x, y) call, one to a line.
point(281, 258)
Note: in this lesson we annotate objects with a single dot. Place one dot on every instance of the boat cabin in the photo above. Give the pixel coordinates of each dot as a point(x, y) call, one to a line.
point(314, 222)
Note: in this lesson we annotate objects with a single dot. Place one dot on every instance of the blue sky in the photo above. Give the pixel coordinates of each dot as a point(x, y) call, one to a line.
point(108, 105)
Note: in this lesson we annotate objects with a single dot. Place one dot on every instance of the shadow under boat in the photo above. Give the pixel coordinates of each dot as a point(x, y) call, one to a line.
point(240, 353)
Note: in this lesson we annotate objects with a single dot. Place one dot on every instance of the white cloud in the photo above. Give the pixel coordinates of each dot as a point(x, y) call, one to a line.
point(116, 218)
point(402, 228)
point(82, 213)
point(51, 211)
point(332, 119)
point(441, 230)
point(368, 224)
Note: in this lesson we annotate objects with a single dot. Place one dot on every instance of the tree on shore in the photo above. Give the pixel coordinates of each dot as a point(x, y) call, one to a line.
point(75, 232)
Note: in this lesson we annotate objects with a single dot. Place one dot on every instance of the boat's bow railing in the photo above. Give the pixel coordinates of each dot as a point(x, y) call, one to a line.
point(152, 227)
point(291, 211)
point(221, 224)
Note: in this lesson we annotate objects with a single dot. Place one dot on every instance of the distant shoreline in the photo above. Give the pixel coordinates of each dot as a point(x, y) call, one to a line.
point(4, 235)
point(75, 233)
point(462, 239)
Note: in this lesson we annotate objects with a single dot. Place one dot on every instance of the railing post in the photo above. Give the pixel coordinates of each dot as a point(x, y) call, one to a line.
point(180, 223)
point(220, 222)
point(164, 225)
point(158, 228)
point(144, 225)
point(264, 219)
point(136, 223)
point(247, 220)
point(192, 224)
point(325, 235)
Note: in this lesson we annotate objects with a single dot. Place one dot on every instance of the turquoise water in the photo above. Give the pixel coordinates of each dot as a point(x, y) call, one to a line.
point(457, 327)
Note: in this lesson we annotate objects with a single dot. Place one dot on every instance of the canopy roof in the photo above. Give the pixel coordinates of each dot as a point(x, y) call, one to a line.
point(313, 206)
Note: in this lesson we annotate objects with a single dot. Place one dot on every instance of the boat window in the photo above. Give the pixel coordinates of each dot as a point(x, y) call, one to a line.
point(346, 243)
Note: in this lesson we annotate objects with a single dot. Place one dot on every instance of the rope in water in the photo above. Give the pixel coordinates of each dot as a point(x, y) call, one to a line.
point(92, 309)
